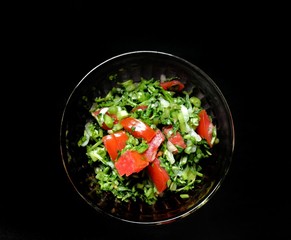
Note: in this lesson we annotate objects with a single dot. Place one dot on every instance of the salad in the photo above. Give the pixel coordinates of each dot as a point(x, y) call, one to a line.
point(146, 139)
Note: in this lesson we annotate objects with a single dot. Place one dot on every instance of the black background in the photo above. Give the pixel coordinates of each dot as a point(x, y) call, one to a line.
point(53, 47)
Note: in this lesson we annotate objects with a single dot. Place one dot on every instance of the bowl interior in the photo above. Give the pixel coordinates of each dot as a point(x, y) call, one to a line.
point(134, 65)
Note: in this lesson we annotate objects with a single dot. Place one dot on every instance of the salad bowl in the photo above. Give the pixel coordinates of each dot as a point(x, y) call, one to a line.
point(153, 204)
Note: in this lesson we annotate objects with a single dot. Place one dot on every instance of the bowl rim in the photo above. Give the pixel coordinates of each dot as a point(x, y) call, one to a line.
point(208, 196)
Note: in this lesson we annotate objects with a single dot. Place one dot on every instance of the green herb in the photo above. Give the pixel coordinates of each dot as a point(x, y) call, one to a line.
point(149, 102)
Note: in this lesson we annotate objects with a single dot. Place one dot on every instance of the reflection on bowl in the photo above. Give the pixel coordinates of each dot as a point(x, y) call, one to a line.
point(146, 65)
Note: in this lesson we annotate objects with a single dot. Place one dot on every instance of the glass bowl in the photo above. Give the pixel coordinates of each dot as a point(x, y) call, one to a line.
point(134, 65)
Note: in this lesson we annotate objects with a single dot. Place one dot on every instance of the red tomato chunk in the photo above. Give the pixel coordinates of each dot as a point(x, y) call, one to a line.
point(130, 162)
point(205, 127)
point(158, 175)
point(114, 143)
point(138, 128)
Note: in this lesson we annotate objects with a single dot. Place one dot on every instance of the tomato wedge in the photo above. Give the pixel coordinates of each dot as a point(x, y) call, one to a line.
point(154, 145)
point(158, 175)
point(130, 162)
point(114, 143)
point(138, 128)
point(173, 85)
point(205, 127)
point(175, 138)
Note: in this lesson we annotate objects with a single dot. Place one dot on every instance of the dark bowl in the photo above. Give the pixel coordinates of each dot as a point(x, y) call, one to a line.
point(134, 65)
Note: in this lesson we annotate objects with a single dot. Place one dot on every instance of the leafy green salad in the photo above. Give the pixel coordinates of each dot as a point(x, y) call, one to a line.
point(146, 139)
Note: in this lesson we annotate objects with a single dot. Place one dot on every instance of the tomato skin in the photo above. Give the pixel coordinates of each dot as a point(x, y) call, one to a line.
point(205, 127)
point(121, 138)
point(178, 140)
point(173, 85)
point(114, 143)
point(154, 145)
point(110, 144)
point(158, 175)
point(130, 162)
point(138, 128)
point(175, 138)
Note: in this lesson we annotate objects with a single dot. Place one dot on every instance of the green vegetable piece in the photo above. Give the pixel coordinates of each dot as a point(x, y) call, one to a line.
point(195, 101)
point(108, 121)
